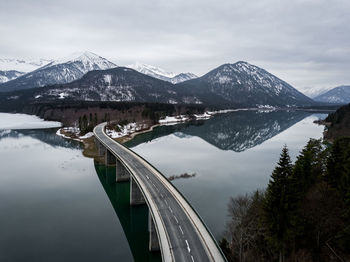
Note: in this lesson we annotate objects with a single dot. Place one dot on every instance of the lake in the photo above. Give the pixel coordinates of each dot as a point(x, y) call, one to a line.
point(57, 205)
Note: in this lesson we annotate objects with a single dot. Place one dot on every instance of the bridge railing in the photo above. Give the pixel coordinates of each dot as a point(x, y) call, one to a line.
point(169, 184)
point(173, 189)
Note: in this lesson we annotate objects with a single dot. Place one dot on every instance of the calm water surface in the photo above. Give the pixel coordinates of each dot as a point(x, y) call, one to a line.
point(231, 154)
point(56, 205)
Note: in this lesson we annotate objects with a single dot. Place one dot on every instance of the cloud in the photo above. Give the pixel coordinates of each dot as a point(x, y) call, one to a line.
point(305, 42)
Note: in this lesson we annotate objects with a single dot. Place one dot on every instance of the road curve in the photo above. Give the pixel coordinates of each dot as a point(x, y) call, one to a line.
point(182, 234)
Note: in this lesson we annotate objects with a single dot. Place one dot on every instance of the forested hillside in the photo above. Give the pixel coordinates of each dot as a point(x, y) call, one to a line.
point(304, 213)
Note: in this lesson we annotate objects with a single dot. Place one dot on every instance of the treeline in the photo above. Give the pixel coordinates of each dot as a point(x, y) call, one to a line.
point(86, 124)
point(304, 214)
point(338, 123)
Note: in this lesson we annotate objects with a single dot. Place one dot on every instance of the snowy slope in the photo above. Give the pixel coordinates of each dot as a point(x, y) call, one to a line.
point(6, 76)
point(337, 95)
point(313, 91)
point(182, 78)
point(116, 84)
point(243, 84)
point(61, 71)
point(159, 73)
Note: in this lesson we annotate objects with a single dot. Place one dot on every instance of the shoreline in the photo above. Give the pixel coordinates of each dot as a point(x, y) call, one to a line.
point(87, 139)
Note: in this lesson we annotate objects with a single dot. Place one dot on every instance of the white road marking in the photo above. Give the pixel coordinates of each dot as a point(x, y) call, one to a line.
point(161, 195)
point(166, 202)
point(181, 230)
point(176, 219)
point(170, 210)
point(192, 258)
point(188, 247)
point(147, 177)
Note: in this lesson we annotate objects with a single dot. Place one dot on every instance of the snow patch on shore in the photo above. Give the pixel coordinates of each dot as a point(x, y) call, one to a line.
point(173, 119)
point(127, 129)
point(75, 131)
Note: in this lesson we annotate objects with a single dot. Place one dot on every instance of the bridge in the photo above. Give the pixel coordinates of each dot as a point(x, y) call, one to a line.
point(174, 227)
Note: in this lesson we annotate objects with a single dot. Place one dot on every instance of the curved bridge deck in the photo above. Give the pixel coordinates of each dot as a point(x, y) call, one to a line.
point(181, 234)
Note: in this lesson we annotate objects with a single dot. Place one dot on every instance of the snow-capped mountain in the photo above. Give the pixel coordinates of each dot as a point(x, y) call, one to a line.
point(243, 84)
point(313, 92)
point(22, 65)
point(161, 74)
point(59, 72)
point(337, 95)
point(6, 76)
point(230, 85)
point(116, 84)
point(182, 77)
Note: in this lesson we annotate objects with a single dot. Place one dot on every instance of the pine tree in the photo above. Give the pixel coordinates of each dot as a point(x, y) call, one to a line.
point(308, 166)
point(276, 206)
point(338, 175)
point(95, 120)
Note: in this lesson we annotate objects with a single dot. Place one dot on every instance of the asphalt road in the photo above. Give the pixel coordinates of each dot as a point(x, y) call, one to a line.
point(185, 241)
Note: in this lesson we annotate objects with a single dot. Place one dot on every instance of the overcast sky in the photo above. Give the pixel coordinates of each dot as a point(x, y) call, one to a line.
point(304, 42)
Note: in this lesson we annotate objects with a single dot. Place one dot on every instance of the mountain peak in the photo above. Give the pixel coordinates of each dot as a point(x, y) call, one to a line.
point(151, 70)
point(245, 84)
point(85, 57)
point(61, 71)
point(159, 73)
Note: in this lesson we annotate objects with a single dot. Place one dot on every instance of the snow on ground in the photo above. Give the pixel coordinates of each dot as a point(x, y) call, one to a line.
point(173, 119)
point(75, 131)
point(23, 121)
point(126, 129)
point(206, 115)
point(136, 127)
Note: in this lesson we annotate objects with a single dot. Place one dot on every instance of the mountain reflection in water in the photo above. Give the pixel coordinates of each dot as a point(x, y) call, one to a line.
point(236, 131)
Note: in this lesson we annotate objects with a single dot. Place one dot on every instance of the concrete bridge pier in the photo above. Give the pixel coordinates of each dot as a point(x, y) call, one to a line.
point(100, 148)
point(110, 159)
point(122, 174)
point(153, 244)
point(136, 197)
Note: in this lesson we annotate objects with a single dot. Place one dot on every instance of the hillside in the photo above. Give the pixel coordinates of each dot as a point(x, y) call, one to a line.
point(338, 123)
point(61, 71)
point(337, 95)
point(243, 84)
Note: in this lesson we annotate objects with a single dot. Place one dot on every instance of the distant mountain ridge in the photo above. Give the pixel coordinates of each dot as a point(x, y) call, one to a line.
point(337, 95)
point(22, 65)
point(59, 72)
point(228, 86)
point(161, 74)
point(116, 84)
point(243, 84)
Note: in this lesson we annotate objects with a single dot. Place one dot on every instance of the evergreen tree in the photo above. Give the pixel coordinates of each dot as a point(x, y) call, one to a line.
point(338, 175)
point(308, 166)
point(276, 206)
point(84, 125)
point(95, 120)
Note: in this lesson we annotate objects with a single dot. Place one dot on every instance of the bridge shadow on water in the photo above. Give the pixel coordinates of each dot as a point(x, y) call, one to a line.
point(134, 219)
